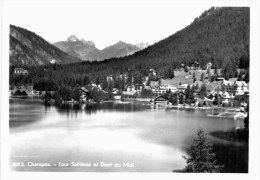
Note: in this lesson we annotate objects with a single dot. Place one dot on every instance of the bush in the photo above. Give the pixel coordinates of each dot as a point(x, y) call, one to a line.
point(17, 93)
point(173, 99)
point(98, 95)
point(63, 93)
point(216, 99)
point(20, 93)
point(147, 93)
point(76, 95)
point(23, 93)
point(47, 96)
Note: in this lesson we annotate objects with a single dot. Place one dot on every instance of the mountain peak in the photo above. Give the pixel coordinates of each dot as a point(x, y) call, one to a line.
point(72, 38)
point(142, 45)
point(90, 43)
point(120, 42)
point(28, 48)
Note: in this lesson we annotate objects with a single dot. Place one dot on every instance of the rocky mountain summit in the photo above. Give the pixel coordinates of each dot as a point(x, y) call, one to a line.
point(86, 50)
point(27, 48)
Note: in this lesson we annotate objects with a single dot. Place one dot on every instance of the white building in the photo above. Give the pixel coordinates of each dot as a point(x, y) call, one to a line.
point(172, 88)
point(20, 71)
point(241, 87)
point(182, 87)
point(130, 88)
point(162, 89)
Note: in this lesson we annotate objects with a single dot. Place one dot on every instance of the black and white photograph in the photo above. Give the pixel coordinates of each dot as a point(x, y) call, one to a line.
point(129, 87)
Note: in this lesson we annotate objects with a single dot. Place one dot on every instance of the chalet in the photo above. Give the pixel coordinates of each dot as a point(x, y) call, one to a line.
point(226, 83)
point(179, 93)
point(181, 96)
point(182, 87)
point(241, 87)
point(84, 90)
point(171, 88)
point(162, 89)
point(139, 87)
point(235, 87)
point(204, 102)
point(130, 88)
point(160, 100)
point(230, 82)
point(228, 86)
point(20, 71)
point(85, 93)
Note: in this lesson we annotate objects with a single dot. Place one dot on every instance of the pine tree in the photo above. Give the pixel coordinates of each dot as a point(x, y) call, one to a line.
point(203, 90)
point(216, 99)
point(181, 99)
point(186, 69)
point(201, 156)
point(194, 77)
point(189, 95)
point(202, 77)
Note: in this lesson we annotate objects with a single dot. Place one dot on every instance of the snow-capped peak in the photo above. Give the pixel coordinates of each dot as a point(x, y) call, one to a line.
point(142, 45)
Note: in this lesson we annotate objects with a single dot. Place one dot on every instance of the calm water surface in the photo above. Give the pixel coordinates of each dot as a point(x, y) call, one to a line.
point(137, 137)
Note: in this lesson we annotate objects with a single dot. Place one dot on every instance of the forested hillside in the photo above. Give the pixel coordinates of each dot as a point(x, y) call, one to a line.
point(219, 36)
point(27, 48)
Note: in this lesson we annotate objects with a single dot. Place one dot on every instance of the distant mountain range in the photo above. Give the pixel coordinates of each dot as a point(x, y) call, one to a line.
point(27, 48)
point(219, 35)
point(86, 50)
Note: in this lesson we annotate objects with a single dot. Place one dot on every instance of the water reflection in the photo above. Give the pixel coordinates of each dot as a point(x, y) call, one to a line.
point(25, 111)
point(152, 139)
point(90, 109)
point(233, 156)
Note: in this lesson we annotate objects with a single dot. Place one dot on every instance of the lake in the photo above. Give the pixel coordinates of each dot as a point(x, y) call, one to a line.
point(113, 137)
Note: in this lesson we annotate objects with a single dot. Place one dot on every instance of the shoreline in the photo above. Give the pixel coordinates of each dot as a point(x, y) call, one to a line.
point(144, 101)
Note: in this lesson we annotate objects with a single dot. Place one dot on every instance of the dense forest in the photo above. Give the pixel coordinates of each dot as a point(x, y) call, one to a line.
point(219, 36)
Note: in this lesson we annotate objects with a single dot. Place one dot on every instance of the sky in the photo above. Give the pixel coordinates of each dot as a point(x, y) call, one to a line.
point(103, 22)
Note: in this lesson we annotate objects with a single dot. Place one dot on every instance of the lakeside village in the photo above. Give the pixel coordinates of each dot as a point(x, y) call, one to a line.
point(190, 87)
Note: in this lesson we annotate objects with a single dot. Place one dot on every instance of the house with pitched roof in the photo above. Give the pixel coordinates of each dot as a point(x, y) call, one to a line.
point(241, 87)
point(20, 71)
point(160, 100)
